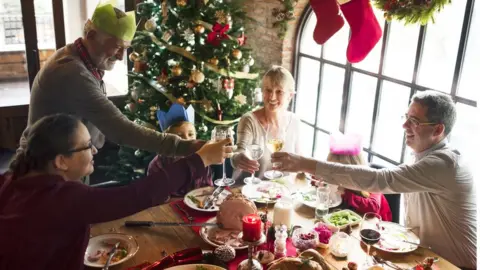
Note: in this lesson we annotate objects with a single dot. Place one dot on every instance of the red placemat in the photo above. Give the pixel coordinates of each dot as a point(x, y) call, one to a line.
point(198, 216)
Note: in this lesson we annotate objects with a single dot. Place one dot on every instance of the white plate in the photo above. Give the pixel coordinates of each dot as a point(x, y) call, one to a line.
point(308, 196)
point(353, 223)
point(392, 236)
point(265, 192)
point(101, 242)
point(205, 191)
point(208, 230)
point(195, 267)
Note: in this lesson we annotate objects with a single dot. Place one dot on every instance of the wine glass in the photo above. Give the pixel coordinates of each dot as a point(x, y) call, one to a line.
point(255, 152)
point(274, 142)
point(370, 233)
point(220, 133)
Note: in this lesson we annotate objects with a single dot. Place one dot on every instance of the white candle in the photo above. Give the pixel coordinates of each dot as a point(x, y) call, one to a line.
point(282, 212)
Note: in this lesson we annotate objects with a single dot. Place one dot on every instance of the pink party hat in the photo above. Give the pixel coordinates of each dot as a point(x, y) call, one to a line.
point(345, 144)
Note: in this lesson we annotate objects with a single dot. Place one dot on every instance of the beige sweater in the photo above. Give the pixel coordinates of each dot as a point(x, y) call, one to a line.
point(65, 85)
point(440, 199)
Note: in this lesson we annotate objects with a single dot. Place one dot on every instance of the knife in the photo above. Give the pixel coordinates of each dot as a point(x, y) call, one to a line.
point(135, 223)
point(209, 201)
point(110, 255)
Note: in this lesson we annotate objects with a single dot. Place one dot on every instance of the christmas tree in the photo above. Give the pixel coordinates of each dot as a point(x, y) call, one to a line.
point(191, 52)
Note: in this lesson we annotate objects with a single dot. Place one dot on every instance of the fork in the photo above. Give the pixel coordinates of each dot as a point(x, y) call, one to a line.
point(190, 218)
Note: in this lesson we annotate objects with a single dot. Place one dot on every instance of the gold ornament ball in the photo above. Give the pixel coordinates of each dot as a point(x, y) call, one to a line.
point(198, 76)
point(213, 61)
point(153, 108)
point(162, 79)
point(237, 54)
point(133, 56)
point(199, 29)
point(150, 25)
point(181, 3)
point(177, 71)
point(152, 117)
point(152, 113)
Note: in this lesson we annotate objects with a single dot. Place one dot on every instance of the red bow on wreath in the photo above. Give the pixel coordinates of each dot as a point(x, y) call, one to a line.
point(217, 34)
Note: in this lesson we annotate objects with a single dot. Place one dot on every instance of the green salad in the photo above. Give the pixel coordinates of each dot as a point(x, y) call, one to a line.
point(343, 218)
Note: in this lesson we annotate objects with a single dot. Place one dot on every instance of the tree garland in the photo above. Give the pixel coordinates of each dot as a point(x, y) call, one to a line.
point(282, 17)
point(411, 11)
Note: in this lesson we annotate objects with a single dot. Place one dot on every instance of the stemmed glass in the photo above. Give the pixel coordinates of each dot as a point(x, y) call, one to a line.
point(220, 133)
point(370, 232)
point(255, 152)
point(274, 142)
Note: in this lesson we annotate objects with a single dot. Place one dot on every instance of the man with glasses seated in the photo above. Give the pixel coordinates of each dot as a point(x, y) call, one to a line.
point(439, 190)
point(71, 82)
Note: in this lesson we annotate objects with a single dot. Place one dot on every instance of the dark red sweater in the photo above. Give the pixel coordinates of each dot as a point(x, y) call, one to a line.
point(45, 220)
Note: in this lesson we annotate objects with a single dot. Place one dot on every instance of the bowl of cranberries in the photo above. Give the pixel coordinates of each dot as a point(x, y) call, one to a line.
point(303, 239)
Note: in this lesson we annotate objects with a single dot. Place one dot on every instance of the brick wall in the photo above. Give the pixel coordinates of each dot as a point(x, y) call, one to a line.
point(268, 49)
point(13, 65)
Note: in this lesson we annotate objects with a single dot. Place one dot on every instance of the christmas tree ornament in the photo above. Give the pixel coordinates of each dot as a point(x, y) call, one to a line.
point(153, 108)
point(224, 253)
point(130, 107)
point(258, 95)
point(162, 79)
point(152, 114)
point(134, 94)
point(366, 31)
point(181, 3)
point(251, 61)
point(197, 76)
point(246, 69)
point(177, 71)
point(241, 99)
point(133, 56)
point(167, 35)
point(203, 128)
point(329, 20)
point(152, 117)
point(199, 29)
point(207, 105)
point(219, 112)
point(189, 36)
point(237, 54)
point(242, 39)
point(228, 85)
point(140, 66)
point(138, 153)
point(218, 34)
point(213, 61)
point(150, 25)
point(223, 17)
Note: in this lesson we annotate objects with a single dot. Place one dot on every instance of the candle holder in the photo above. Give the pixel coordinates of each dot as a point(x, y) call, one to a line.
point(250, 263)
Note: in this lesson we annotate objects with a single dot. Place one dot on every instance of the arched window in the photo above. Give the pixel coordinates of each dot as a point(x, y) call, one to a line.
point(370, 97)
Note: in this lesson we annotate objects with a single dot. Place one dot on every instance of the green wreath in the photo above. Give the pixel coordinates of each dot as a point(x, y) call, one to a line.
point(411, 11)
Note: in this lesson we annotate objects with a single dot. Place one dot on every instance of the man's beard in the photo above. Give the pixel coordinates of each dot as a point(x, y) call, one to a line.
point(107, 64)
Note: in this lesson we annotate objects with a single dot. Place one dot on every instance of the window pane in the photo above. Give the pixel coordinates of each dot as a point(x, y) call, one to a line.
point(335, 49)
point(401, 49)
point(307, 44)
point(307, 139)
point(469, 75)
point(441, 47)
point(330, 98)
point(389, 131)
point(307, 89)
point(379, 161)
point(14, 87)
point(360, 111)
point(372, 61)
point(322, 146)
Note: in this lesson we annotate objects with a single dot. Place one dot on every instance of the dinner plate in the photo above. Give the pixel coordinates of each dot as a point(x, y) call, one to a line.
point(392, 236)
point(105, 242)
point(202, 194)
point(207, 232)
point(308, 197)
point(196, 267)
point(265, 192)
point(354, 218)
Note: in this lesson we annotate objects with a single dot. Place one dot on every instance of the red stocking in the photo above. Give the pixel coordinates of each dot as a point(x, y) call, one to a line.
point(366, 31)
point(329, 20)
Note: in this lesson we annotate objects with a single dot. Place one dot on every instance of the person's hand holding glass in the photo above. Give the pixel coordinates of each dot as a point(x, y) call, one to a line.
point(274, 142)
point(220, 133)
point(254, 152)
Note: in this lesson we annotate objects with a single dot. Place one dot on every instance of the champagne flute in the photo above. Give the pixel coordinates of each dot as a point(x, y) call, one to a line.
point(370, 233)
point(255, 152)
point(220, 133)
point(274, 143)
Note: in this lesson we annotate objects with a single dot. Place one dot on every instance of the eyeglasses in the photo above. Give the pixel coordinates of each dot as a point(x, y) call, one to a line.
point(415, 123)
point(88, 147)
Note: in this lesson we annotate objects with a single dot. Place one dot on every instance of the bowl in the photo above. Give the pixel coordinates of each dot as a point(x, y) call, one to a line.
point(303, 239)
point(340, 244)
point(332, 228)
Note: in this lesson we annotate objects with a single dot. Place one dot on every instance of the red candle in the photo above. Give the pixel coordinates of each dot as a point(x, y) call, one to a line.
point(252, 228)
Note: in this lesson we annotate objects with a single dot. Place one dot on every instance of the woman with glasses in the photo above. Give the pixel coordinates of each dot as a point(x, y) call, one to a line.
point(46, 212)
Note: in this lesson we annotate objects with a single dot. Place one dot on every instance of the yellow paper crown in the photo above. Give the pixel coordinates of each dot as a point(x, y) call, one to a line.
point(114, 21)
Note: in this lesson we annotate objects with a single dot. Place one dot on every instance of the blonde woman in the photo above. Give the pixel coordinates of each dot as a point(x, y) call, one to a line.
point(278, 88)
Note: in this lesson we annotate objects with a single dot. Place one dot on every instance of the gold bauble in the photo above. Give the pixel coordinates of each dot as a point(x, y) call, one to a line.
point(162, 79)
point(181, 3)
point(153, 108)
point(237, 54)
point(177, 71)
point(150, 25)
point(199, 29)
point(133, 56)
point(197, 76)
point(213, 61)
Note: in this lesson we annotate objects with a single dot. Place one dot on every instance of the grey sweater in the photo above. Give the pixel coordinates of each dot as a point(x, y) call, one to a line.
point(65, 85)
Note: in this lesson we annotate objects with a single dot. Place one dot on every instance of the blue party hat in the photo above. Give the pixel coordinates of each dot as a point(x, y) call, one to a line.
point(175, 114)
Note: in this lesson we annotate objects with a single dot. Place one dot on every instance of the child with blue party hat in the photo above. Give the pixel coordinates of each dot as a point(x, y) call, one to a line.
point(179, 121)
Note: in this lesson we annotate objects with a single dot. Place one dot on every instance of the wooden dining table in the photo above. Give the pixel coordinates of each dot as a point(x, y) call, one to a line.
point(153, 241)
